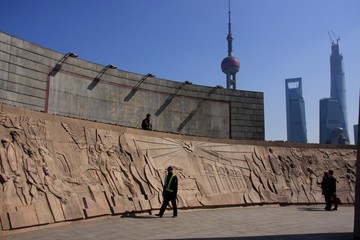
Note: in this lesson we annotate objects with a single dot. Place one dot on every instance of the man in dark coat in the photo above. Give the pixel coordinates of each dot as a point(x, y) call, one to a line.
point(169, 193)
point(330, 191)
point(146, 123)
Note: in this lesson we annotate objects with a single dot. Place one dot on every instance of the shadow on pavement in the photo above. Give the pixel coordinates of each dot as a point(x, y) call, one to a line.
point(317, 236)
point(133, 215)
point(311, 209)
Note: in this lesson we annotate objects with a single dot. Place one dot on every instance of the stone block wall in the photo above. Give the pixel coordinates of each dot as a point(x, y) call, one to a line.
point(77, 88)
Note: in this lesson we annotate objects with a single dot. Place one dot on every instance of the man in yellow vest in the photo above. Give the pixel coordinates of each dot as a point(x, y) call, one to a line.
point(169, 193)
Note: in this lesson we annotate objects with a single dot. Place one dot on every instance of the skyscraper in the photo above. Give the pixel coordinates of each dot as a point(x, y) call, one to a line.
point(329, 121)
point(295, 111)
point(333, 110)
point(230, 65)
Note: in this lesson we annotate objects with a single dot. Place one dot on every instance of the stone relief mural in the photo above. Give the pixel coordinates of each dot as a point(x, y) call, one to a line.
point(54, 172)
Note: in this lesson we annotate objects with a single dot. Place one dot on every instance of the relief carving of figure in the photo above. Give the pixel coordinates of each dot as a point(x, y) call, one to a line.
point(10, 154)
point(22, 188)
point(48, 160)
point(33, 167)
point(7, 184)
point(56, 186)
point(103, 161)
point(114, 170)
point(19, 148)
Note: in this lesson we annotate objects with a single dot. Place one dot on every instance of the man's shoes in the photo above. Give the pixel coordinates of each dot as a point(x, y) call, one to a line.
point(327, 209)
point(334, 209)
point(158, 215)
point(174, 216)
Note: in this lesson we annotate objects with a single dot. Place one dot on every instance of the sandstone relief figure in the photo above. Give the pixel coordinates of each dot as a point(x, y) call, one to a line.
point(313, 173)
point(313, 180)
point(265, 176)
point(12, 175)
point(10, 154)
point(33, 167)
point(255, 180)
point(137, 165)
point(8, 190)
point(280, 185)
point(102, 162)
point(56, 186)
point(19, 148)
point(313, 185)
point(298, 180)
point(346, 188)
point(92, 175)
point(114, 169)
point(5, 168)
point(111, 170)
point(22, 188)
point(287, 169)
point(93, 157)
point(48, 160)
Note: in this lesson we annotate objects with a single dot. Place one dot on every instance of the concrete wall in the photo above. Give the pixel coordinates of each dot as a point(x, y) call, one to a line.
point(28, 80)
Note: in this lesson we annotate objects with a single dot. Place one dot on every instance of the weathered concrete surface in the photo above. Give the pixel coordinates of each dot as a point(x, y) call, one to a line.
point(33, 77)
point(56, 169)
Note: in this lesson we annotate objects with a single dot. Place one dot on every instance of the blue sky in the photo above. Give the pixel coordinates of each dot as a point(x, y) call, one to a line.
point(186, 40)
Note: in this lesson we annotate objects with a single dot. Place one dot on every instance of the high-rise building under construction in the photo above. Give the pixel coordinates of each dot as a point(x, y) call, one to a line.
point(333, 110)
point(295, 111)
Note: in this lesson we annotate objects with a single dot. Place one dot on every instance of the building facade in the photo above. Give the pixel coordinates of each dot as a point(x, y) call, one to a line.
point(295, 111)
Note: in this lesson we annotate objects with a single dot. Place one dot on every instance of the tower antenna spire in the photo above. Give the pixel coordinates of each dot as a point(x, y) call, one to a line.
point(229, 36)
point(230, 65)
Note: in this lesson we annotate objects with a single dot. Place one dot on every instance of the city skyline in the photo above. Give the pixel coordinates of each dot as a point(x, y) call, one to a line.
point(186, 40)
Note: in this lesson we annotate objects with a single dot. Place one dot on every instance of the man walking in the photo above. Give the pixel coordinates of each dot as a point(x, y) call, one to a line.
point(169, 193)
point(330, 191)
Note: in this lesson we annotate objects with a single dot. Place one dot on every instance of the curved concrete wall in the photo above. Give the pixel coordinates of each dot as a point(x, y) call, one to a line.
point(30, 79)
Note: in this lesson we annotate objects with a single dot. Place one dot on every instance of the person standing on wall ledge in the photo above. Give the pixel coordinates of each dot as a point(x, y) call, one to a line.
point(146, 123)
point(169, 193)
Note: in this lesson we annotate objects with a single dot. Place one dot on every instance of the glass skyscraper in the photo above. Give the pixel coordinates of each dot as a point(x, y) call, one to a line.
point(295, 111)
point(333, 110)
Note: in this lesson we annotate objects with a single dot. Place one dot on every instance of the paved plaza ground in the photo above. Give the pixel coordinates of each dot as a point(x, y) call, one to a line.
point(244, 223)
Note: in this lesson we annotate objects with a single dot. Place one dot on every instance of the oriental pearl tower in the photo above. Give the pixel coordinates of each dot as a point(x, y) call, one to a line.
point(230, 65)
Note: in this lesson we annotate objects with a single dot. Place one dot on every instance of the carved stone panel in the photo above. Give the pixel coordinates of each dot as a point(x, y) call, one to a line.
point(56, 169)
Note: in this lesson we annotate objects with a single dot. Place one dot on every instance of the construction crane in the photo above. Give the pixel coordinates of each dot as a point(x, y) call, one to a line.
point(337, 38)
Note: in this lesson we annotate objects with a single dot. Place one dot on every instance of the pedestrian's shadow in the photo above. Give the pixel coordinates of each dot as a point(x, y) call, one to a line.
point(312, 209)
point(133, 215)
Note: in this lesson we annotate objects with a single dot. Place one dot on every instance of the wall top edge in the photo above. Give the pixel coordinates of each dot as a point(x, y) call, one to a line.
point(32, 113)
point(206, 88)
